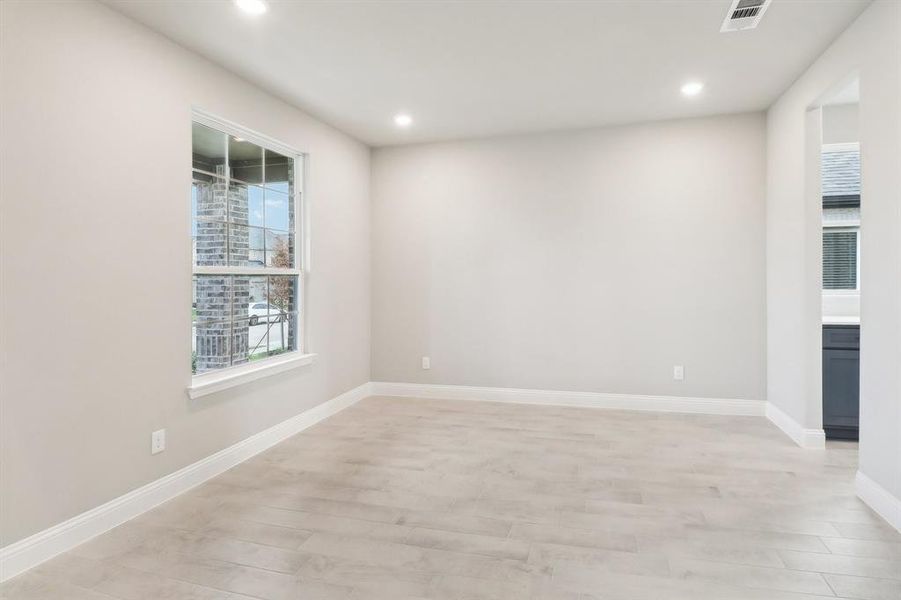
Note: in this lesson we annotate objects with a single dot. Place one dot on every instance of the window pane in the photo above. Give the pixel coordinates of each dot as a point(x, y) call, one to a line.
point(209, 197)
point(212, 349)
point(241, 292)
point(208, 146)
point(211, 322)
point(283, 293)
point(210, 244)
point(278, 250)
point(209, 212)
point(839, 260)
point(272, 321)
point(238, 245)
point(237, 203)
point(257, 339)
point(255, 205)
point(281, 333)
point(279, 172)
point(258, 302)
point(238, 318)
point(256, 255)
point(245, 160)
point(241, 345)
point(279, 213)
point(258, 317)
point(212, 297)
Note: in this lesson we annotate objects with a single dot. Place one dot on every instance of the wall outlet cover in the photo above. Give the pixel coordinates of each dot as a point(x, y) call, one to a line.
point(158, 441)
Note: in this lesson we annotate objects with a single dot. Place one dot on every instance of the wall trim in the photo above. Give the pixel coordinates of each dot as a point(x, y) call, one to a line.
point(879, 499)
point(710, 406)
point(42, 546)
point(814, 439)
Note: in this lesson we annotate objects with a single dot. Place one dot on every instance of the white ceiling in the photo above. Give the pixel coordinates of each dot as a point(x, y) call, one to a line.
point(469, 69)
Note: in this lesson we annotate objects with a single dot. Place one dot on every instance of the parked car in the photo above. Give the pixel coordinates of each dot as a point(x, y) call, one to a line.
point(261, 312)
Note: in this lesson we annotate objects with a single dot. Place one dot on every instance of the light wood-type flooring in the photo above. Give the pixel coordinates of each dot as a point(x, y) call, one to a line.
point(403, 499)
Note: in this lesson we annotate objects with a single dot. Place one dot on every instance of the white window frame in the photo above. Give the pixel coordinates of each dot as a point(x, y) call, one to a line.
point(220, 379)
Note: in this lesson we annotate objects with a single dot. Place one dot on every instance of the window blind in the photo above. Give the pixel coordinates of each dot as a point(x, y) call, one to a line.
point(840, 260)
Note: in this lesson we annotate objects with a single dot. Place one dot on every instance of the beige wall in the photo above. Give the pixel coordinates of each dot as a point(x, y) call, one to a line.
point(871, 46)
point(588, 261)
point(96, 261)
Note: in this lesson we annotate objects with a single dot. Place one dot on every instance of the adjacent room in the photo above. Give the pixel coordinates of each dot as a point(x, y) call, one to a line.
point(450, 300)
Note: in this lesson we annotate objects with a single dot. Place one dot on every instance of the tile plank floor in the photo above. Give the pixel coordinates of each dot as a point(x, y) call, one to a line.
point(407, 499)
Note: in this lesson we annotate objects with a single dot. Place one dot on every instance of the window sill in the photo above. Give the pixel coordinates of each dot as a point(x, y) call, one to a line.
point(210, 383)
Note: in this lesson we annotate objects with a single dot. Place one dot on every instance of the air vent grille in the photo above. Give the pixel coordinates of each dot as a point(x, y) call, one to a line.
point(744, 14)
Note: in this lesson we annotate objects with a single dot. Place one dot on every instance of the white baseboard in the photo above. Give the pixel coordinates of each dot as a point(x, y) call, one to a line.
point(879, 499)
point(32, 551)
point(711, 406)
point(814, 439)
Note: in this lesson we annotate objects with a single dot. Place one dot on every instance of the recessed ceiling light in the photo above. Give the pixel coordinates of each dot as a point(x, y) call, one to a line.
point(252, 7)
point(403, 120)
point(692, 88)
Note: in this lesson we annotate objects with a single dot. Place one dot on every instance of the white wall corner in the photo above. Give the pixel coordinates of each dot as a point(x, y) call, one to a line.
point(42, 546)
point(711, 406)
point(879, 499)
point(814, 439)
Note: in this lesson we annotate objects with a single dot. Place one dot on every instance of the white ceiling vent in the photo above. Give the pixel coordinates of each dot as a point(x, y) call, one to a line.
point(744, 14)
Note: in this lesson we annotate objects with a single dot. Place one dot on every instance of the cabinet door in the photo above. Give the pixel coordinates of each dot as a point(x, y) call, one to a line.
point(843, 337)
point(841, 388)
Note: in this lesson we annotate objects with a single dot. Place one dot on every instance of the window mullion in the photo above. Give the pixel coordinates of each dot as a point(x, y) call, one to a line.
point(247, 271)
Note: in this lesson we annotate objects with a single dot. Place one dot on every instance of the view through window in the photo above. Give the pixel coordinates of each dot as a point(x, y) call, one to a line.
point(840, 171)
point(246, 274)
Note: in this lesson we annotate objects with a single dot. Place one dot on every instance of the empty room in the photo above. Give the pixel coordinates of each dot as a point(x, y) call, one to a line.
point(450, 300)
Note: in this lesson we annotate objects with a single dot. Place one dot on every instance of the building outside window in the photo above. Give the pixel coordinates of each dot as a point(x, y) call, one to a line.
point(247, 276)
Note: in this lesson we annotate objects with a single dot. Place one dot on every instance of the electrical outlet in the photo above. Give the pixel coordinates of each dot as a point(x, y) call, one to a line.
point(678, 372)
point(426, 362)
point(158, 441)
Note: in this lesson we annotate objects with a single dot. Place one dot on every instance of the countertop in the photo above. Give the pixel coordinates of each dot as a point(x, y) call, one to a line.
point(841, 320)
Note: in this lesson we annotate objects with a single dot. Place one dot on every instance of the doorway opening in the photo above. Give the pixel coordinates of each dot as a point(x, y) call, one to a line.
point(841, 285)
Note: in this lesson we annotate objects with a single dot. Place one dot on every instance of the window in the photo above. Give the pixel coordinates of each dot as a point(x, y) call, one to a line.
point(841, 217)
point(840, 258)
point(247, 274)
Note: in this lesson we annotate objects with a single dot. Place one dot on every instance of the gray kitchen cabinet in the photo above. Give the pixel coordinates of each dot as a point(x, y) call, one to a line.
point(841, 381)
